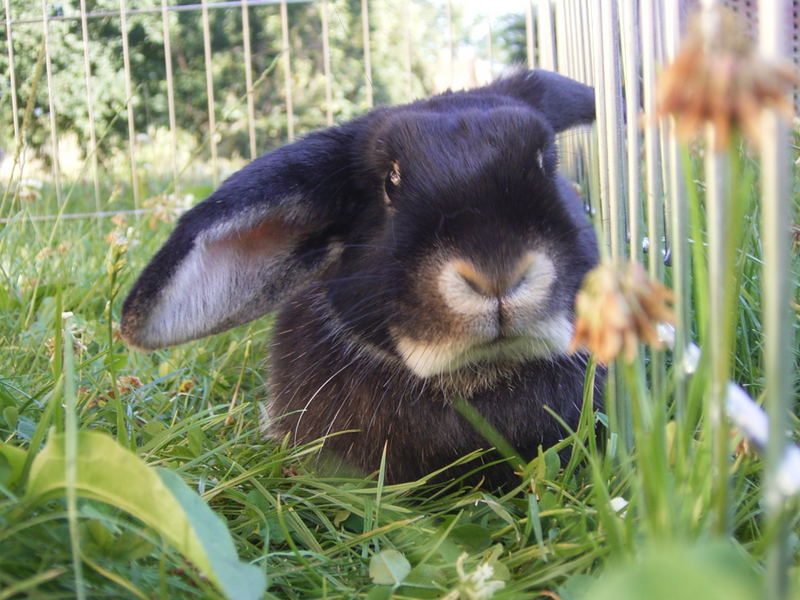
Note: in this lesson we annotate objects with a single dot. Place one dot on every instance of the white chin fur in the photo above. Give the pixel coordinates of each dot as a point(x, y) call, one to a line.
point(426, 359)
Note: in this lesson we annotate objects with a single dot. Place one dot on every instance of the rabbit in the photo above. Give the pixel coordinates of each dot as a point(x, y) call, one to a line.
point(417, 255)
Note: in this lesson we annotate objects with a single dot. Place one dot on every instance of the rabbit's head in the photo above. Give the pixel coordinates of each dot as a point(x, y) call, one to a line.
point(418, 253)
point(440, 231)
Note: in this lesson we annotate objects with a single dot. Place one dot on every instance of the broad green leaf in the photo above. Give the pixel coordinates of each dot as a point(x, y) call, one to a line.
point(11, 416)
point(576, 586)
point(471, 537)
point(710, 572)
point(158, 497)
point(12, 461)
point(388, 567)
point(380, 593)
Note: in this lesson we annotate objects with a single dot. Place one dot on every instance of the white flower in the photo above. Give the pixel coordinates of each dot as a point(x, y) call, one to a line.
point(477, 585)
point(618, 504)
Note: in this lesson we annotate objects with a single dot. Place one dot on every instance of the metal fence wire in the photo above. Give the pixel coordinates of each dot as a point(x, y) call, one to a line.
point(631, 174)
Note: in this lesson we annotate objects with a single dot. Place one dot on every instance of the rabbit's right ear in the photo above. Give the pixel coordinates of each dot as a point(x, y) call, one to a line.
point(271, 228)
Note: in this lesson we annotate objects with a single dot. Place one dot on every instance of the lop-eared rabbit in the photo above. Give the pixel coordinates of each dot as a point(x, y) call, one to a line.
point(417, 255)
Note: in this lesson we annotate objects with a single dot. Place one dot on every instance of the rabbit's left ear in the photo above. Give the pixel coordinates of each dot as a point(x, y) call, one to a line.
point(564, 102)
point(269, 229)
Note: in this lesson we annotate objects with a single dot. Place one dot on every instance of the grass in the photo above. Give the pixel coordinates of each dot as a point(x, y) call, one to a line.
point(195, 410)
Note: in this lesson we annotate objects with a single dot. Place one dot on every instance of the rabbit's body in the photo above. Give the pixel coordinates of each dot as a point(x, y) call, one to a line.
point(419, 254)
point(331, 385)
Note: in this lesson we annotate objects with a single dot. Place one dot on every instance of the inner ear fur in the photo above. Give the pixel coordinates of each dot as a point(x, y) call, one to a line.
point(269, 230)
point(226, 279)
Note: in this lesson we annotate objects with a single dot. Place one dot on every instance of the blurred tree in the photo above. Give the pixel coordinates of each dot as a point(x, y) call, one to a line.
point(512, 39)
point(396, 27)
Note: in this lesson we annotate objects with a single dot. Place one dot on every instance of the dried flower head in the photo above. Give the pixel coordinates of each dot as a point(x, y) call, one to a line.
point(80, 340)
point(117, 239)
point(618, 308)
point(119, 220)
point(50, 251)
point(127, 383)
point(185, 386)
point(718, 77)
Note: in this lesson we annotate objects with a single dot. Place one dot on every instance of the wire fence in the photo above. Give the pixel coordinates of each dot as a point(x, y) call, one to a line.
point(632, 176)
point(264, 109)
point(550, 42)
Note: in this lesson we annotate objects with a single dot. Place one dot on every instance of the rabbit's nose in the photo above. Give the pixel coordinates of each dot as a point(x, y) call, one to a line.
point(496, 283)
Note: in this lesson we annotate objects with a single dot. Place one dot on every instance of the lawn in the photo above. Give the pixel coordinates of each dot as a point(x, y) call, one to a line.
point(637, 519)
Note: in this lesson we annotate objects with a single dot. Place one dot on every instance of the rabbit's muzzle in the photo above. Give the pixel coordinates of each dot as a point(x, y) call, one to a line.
point(485, 315)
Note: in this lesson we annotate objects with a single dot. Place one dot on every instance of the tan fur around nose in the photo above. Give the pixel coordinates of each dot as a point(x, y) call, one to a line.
point(493, 285)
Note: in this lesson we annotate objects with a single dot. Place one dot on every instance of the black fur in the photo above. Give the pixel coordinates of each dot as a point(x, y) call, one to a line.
point(471, 186)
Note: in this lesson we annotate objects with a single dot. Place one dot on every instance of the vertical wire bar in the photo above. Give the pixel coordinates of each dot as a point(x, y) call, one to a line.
point(530, 38)
point(679, 214)
point(573, 33)
point(570, 61)
point(12, 77)
point(567, 142)
point(451, 44)
point(592, 150)
point(248, 78)
point(607, 76)
point(563, 39)
point(778, 290)
point(52, 104)
point(629, 20)
point(564, 55)
point(407, 52)
point(586, 43)
point(212, 111)
point(287, 71)
point(367, 50)
point(595, 7)
point(173, 127)
point(617, 415)
point(717, 174)
point(651, 137)
point(653, 160)
point(126, 60)
point(87, 74)
point(326, 62)
point(666, 204)
point(609, 38)
point(490, 44)
point(583, 73)
point(544, 32)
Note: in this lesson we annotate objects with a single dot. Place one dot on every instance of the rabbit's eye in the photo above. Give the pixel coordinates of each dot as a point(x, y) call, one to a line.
point(394, 174)
point(392, 182)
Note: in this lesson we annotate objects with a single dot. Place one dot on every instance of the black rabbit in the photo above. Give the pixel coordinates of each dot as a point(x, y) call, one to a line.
point(418, 254)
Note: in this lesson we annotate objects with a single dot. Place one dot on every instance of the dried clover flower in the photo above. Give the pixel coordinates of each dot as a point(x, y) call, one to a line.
point(166, 207)
point(718, 77)
point(127, 383)
point(618, 308)
point(119, 220)
point(117, 239)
